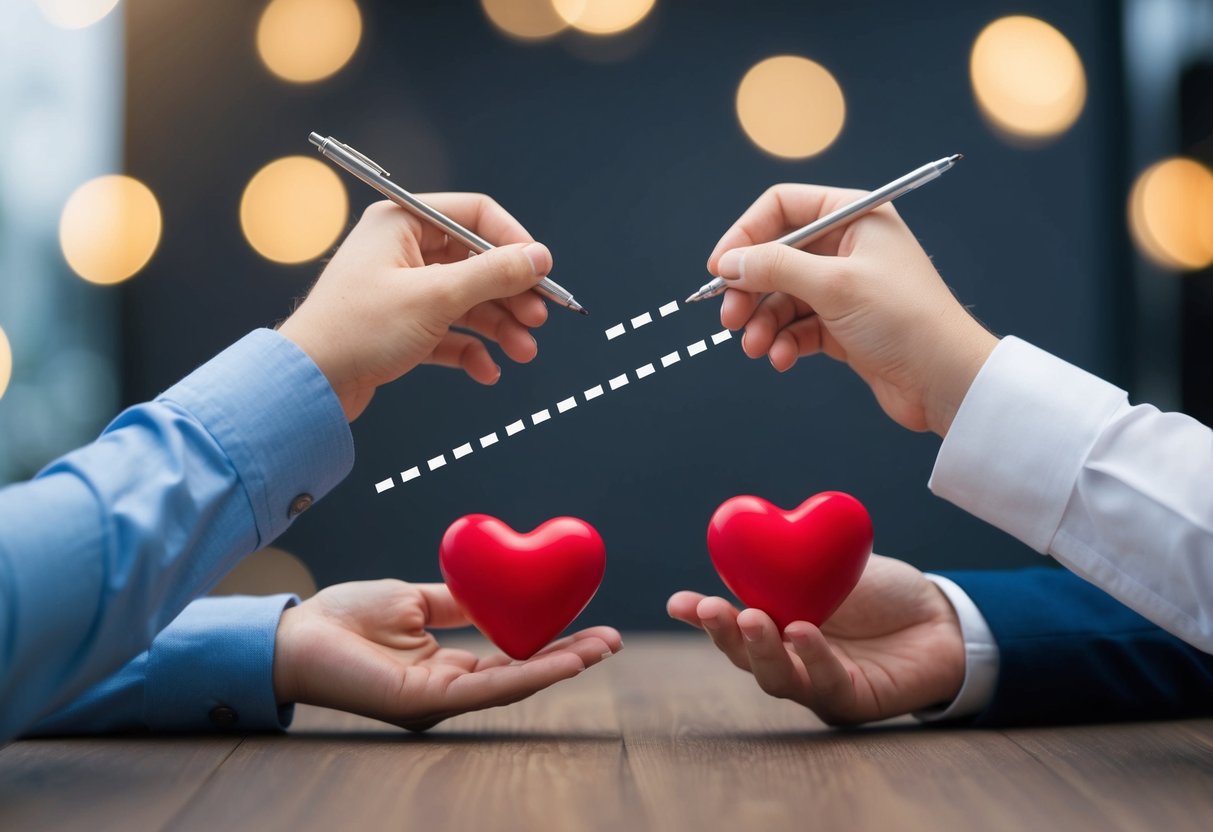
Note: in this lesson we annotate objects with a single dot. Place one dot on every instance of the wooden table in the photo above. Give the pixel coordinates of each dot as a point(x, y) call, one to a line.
point(664, 736)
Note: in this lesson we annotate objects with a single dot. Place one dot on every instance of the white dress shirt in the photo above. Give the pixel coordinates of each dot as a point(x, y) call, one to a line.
point(1121, 495)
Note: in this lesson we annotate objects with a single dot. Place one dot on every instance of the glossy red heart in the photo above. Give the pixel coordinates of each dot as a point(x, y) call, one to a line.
point(522, 590)
point(796, 565)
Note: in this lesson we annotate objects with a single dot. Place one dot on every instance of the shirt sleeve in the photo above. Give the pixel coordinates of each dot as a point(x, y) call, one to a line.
point(1121, 495)
point(211, 669)
point(981, 658)
point(108, 544)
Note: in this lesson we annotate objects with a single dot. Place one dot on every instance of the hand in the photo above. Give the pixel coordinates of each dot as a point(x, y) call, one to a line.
point(865, 294)
point(366, 648)
point(389, 297)
point(893, 647)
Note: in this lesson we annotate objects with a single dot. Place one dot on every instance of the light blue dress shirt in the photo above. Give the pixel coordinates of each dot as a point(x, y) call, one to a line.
point(108, 544)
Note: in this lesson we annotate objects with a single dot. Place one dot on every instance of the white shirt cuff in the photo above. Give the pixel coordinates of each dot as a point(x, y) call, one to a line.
point(981, 658)
point(1020, 438)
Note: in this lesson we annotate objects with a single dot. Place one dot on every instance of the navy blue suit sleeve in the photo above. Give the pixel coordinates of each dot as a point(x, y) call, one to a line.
point(1068, 653)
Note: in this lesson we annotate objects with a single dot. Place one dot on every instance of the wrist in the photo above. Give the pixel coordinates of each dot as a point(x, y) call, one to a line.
point(285, 671)
point(958, 361)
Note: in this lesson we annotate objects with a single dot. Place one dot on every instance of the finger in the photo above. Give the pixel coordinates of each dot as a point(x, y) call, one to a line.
point(831, 693)
point(802, 337)
point(770, 316)
point(779, 210)
point(528, 308)
point(823, 282)
point(495, 322)
point(509, 683)
point(682, 607)
point(480, 213)
point(440, 607)
point(719, 618)
point(770, 661)
point(737, 307)
point(608, 635)
point(466, 352)
point(499, 273)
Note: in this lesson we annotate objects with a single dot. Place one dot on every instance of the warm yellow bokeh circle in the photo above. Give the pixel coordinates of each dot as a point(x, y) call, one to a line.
point(1027, 77)
point(109, 228)
point(791, 106)
point(1171, 214)
point(603, 17)
point(6, 362)
point(75, 14)
point(293, 209)
point(525, 19)
point(308, 40)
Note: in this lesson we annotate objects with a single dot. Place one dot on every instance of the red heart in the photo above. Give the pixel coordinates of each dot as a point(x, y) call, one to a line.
point(794, 565)
point(522, 590)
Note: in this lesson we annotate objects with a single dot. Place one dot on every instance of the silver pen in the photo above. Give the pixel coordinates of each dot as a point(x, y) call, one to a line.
point(375, 176)
point(858, 208)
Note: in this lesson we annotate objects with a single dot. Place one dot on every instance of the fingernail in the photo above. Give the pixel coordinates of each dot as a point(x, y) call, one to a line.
point(540, 257)
point(751, 633)
point(607, 654)
point(732, 264)
point(497, 377)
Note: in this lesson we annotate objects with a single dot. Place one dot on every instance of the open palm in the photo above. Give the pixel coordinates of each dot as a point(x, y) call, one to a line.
point(366, 647)
point(894, 646)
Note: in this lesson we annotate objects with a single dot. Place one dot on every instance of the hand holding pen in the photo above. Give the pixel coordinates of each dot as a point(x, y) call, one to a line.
point(865, 294)
point(378, 178)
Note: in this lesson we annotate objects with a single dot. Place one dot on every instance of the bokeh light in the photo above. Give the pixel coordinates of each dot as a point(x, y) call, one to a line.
point(6, 362)
point(791, 106)
point(525, 19)
point(109, 228)
point(1027, 77)
point(293, 209)
point(603, 17)
point(268, 572)
point(75, 14)
point(1171, 214)
point(308, 40)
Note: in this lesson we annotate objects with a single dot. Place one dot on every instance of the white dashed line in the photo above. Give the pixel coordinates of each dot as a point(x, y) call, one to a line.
point(567, 404)
point(669, 309)
point(641, 320)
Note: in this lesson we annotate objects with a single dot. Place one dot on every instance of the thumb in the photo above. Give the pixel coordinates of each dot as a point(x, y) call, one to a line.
point(820, 281)
point(500, 272)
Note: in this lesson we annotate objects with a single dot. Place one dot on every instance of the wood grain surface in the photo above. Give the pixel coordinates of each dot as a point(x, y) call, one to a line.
point(666, 736)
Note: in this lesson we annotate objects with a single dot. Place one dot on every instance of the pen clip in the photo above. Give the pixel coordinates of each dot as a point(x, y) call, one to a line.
point(366, 160)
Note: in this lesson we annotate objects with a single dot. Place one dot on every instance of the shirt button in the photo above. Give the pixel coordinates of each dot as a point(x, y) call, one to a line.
point(299, 505)
point(223, 717)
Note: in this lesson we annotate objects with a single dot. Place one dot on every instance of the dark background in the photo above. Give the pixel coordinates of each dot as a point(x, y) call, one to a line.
point(627, 159)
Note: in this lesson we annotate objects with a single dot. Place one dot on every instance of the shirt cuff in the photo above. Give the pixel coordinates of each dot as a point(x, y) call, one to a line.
point(277, 418)
point(981, 658)
point(1015, 449)
point(213, 667)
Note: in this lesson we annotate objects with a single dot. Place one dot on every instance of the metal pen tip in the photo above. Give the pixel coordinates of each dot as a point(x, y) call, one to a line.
point(316, 139)
point(956, 157)
point(584, 311)
point(692, 298)
point(577, 307)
